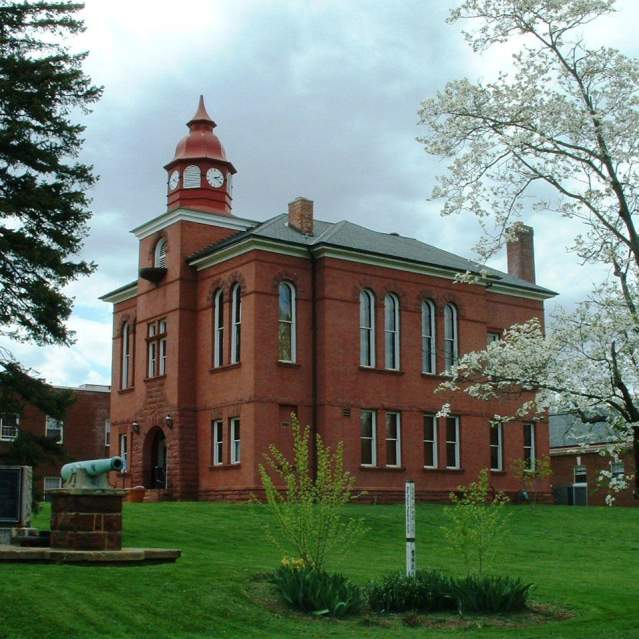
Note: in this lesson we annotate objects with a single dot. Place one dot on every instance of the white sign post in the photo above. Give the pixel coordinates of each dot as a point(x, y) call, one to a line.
point(411, 563)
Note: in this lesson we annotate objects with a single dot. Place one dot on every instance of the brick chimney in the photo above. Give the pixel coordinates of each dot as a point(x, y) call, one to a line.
point(521, 253)
point(300, 215)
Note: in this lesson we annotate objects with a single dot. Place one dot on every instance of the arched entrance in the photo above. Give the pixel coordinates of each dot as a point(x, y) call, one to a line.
point(156, 471)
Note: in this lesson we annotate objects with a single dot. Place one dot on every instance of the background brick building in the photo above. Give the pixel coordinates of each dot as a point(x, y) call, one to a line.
point(576, 458)
point(233, 324)
point(83, 434)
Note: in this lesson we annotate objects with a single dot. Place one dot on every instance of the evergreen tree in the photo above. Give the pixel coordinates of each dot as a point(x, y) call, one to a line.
point(44, 208)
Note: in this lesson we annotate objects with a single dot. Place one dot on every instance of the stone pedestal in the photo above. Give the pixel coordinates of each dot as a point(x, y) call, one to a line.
point(86, 519)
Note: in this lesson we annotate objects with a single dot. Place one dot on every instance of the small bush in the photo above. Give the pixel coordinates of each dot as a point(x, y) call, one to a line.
point(310, 590)
point(478, 593)
point(426, 591)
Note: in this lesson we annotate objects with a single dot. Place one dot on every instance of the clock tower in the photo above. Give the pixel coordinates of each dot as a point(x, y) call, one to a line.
point(200, 176)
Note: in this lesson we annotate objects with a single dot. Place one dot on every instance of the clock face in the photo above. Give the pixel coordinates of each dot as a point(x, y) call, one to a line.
point(174, 178)
point(215, 178)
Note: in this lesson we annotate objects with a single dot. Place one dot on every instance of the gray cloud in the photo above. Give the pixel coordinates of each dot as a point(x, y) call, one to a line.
point(317, 99)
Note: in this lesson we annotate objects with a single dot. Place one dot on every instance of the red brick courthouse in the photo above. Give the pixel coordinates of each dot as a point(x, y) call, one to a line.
point(233, 324)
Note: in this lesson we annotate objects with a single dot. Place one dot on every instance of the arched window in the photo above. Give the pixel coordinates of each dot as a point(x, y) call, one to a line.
point(367, 328)
point(391, 332)
point(451, 336)
point(159, 259)
point(429, 363)
point(218, 329)
point(125, 367)
point(287, 323)
point(236, 323)
point(191, 178)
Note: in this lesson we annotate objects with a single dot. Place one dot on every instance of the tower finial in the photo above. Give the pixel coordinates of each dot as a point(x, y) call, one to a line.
point(201, 116)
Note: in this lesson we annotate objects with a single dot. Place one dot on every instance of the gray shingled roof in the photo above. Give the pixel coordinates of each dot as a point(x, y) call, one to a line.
point(351, 236)
point(569, 430)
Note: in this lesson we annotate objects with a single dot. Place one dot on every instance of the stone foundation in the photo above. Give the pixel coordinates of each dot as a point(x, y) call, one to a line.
point(86, 520)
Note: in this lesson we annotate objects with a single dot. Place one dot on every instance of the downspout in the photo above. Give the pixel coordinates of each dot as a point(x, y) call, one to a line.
point(314, 364)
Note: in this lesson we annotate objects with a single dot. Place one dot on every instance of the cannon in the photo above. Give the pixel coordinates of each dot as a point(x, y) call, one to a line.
point(91, 474)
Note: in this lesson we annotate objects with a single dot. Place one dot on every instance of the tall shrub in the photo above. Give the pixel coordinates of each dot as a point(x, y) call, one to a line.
point(476, 522)
point(308, 511)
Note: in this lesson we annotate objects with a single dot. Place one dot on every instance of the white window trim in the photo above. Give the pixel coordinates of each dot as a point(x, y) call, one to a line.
point(395, 333)
point(432, 338)
point(236, 324)
point(368, 295)
point(398, 440)
point(162, 356)
point(60, 430)
point(152, 359)
point(4, 429)
point(373, 438)
point(107, 433)
point(57, 480)
point(457, 465)
point(218, 329)
point(454, 338)
point(499, 429)
point(236, 452)
point(292, 323)
point(123, 451)
point(530, 452)
point(492, 337)
point(159, 255)
point(126, 356)
point(434, 443)
point(189, 179)
point(218, 442)
point(574, 475)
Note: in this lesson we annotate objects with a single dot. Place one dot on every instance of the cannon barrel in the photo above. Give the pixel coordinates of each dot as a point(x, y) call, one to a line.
point(92, 467)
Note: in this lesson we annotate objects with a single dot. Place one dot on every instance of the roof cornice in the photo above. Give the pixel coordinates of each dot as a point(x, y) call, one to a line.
point(121, 294)
point(189, 215)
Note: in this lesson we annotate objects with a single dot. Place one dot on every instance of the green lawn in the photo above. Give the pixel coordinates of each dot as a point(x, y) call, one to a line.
point(584, 561)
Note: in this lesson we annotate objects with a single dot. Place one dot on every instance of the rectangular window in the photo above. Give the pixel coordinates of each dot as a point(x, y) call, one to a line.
point(124, 451)
point(8, 426)
point(368, 437)
point(391, 332)
point(235, 440)
point(218, 442)
point(430, 441)
point(428, 337)
point(54, 429)
point(492, 336)
point(617, 468)
point(581, 475)
point(496, 447)
point(126, 368)
point(157, 348)
point(452, 442)
point(51, 483)
point(393, 440)
point(529, 446)
point(107, 433)
point(218, 329)
point(366, 329)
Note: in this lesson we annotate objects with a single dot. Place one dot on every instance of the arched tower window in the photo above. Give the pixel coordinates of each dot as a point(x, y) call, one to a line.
point(366, 328)
point(159, 258)
point(451, 336)
point(391, 331)
point(236, 323)
point(428, 337)
point(287, 323)
point(192, 177)
point(218, 329)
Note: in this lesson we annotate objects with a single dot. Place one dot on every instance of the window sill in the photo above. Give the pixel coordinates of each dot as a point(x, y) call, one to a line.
point(153, 379)
point(224, 466)
point(385, 371)
point(288, 364)
point(224, 367)
point(432, 375)
point(497, 472)
point(442, 470)
point(124, 391)
point(395, 469)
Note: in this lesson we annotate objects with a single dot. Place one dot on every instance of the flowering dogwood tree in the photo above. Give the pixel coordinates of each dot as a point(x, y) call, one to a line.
point(559, 128)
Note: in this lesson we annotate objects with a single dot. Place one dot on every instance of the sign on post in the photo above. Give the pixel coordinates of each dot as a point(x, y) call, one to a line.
point(411, 564)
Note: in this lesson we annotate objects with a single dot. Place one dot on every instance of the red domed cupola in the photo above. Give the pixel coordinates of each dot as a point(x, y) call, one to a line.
point(199, 176)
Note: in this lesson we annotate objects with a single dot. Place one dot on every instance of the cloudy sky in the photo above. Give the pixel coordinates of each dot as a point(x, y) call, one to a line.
point(317, 99)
